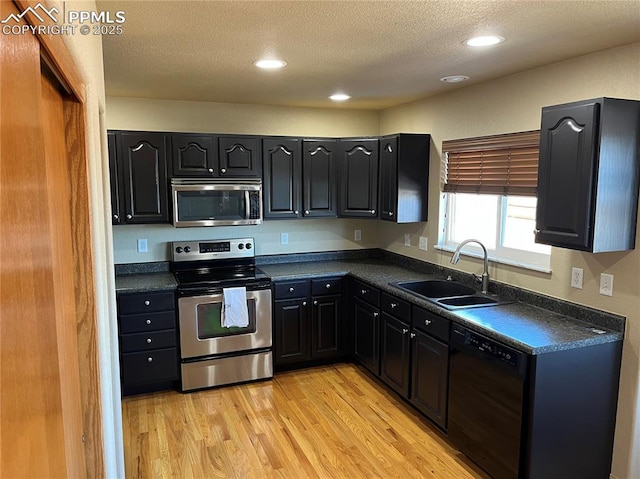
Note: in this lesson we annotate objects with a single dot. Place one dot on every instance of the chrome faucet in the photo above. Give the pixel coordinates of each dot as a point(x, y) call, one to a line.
point(485, 274)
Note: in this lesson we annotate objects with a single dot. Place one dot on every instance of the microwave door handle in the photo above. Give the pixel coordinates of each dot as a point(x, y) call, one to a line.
point(247, 205)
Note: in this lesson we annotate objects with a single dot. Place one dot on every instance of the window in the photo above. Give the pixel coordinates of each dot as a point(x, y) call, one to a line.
point(490, 186)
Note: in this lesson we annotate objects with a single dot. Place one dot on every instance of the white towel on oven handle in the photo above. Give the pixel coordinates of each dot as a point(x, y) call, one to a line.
point(234, 308)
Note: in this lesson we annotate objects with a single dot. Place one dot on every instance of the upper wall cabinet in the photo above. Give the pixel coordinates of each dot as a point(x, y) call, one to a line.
point(139, 175)
point(319, 178)
point(194, 155)
point(282, 166)
point(358, 177)
point(588, 175)
point(116, 177)
point(404, 177)
point(239, 156)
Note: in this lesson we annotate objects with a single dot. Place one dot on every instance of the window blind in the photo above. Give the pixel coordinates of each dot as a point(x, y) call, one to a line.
point(500, 164)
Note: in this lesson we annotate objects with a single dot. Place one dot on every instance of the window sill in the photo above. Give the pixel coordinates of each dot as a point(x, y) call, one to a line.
point(517, 264)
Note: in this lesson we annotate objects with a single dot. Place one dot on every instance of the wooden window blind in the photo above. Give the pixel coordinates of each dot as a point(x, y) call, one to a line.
point(499, 164)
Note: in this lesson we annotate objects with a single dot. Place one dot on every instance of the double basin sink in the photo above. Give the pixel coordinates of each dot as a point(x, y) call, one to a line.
point(448, 294)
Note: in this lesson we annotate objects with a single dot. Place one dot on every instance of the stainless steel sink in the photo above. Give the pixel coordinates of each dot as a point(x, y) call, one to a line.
point(448, 294)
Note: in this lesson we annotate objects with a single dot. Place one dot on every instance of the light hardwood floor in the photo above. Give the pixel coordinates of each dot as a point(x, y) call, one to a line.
point(326, 422)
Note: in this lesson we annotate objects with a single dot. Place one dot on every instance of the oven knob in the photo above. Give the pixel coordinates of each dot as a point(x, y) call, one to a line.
point(241, 246)
point(187, 249)
point(179, 249)
point(248, 246)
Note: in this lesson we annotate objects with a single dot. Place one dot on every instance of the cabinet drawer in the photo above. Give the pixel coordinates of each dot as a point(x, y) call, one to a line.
point(139, 323)
point(430, 323)
point(365, 292)
point(145, 302)
point(395, 307)
point(291, 289)
point(326, 286)
point(149, 366)
point(147, 341)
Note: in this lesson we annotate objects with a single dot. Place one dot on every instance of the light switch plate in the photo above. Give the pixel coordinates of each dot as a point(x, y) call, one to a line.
point(284, 238)
point(577, 275)
point(142, 245)
point(423, 243)
point(357, 235)
point(606, 284)
point(407, 239)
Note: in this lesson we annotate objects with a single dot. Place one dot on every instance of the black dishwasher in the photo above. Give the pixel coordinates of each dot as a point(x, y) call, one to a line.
point(486, 393)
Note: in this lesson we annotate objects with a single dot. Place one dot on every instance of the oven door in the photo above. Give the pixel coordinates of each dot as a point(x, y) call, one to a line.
point(202, 333)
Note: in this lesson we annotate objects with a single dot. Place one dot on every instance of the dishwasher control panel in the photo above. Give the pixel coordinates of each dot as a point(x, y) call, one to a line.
point(487, 346)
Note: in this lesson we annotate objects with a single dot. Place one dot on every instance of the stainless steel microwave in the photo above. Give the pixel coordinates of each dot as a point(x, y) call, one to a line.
point(210, 202)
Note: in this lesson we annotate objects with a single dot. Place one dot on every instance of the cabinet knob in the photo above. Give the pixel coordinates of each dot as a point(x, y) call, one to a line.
point(148, 340)
point(129, 217)
point(394, 305)
point(223, 170)
point(389, 149)
point(536, 231)
point(413, 335)
point(427, 322)
point(390, 213)
point(306, 212)
point(328, 286)
point(296, 212)
point(116, 217)
point(315, 303)
point(149, 359)
point(148, 321)
point(405, 330)
point(364, 291)
point(210, 170)
point(376, 314)
point(291, 290)
point(373, 212)
point(147, 303)
point(304, 303)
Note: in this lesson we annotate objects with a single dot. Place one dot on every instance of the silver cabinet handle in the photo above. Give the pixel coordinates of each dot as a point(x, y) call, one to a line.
point(427, 322)
point(390, 213)
point(296, 212)
point(364, 291)
point(405, 330)
point(306, 212)
point(536, 231)
point(376, 314)
point(328, 286)
point(373, 212)
point(304, 303)
point(223, 170)
point(148, 340)
point(291, 290)
point(394, 305)
point(413, 335)
point(148, 321)
point(389, 149)
point(116, 217)
point(149, 359)
point(129, 217)
point(315, 303)
point(210, 170)
point(147, 303)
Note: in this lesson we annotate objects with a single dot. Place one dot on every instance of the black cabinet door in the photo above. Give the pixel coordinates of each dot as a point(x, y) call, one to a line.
point(326, 323)
point(115, 178)
point(143, 160)
point(394, 354)
point(320, 187)
point(358, 178)
point(239, 156)
point(291, 328)
point(366, 327)
point(388, 178)
point(282, 165)
point(193, 155)
point(430, 366)
point(566, 175)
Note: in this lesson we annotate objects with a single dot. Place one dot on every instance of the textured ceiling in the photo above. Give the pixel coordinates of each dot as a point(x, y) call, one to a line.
point(383, 53)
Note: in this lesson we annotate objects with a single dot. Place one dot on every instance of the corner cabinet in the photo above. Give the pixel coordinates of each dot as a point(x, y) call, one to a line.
point(358, 177)
point(404, 177)
point(588, 176)
point(138, 162)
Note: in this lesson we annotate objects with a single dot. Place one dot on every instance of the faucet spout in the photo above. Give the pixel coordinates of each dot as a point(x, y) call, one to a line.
point(485, 274)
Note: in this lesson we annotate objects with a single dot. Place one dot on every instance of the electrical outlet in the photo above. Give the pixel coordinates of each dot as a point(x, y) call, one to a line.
point(577, 275)
point(606, 284)
point(407, 239)
point(284, 238)
point(357, 235)
point(423, 243)
point(142, 245)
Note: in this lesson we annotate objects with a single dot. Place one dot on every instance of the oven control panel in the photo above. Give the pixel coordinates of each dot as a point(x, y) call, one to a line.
point(214, 249)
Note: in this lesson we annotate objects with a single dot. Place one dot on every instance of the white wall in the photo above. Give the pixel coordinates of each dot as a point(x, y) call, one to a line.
point(513, 104)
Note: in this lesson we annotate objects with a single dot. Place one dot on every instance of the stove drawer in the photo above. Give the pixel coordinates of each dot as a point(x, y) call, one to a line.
point(147, 341)
point(140, 323)
point(146, 302)
point(149, 366)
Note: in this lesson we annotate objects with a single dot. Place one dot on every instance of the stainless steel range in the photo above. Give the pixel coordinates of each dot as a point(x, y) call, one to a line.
point(224, 313)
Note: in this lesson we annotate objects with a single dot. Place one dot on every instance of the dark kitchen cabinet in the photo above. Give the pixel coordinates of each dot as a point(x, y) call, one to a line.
point(394, 355)
point(139, 175)
point(116, 179)
point(194, 155)
point(430, 365)
point(588, 175)
point(319, 179)
point(239, 156)
point(404, 177)
point(148, 342)
point(358, 160)
point(366, 325)
point(308, 323)
point(282, 165)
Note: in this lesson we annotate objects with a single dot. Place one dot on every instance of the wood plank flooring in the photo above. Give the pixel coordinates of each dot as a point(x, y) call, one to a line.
point(326, 422)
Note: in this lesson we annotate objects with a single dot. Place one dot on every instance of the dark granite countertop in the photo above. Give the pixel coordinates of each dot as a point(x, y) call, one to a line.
point(523, 326)
point(138, 283)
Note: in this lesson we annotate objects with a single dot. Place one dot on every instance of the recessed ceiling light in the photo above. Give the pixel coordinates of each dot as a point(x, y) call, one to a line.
point(454, 78)
point(483, 41)
point(339, 97)
point(270, 64)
